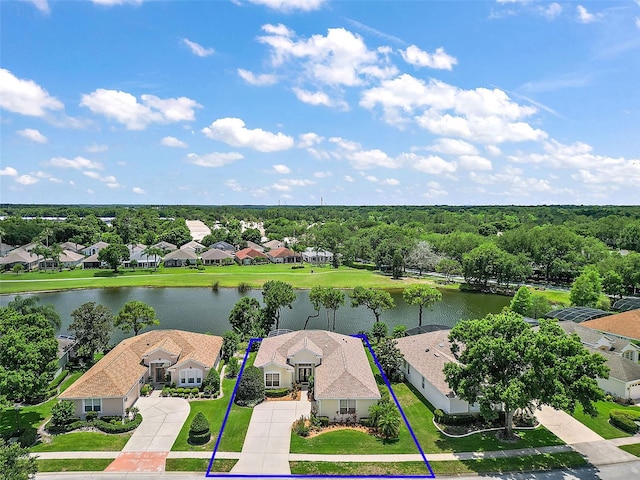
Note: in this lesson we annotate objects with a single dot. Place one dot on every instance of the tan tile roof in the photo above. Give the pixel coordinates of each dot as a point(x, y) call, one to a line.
point(18, 255)
point(344, 371)
point(626, 324)
point(249, 252)
point(428, 363)
point(282, 253)
point(216, 254)
point(181, 254)
point(167, 344)
point(119, 370)
point(620, 368)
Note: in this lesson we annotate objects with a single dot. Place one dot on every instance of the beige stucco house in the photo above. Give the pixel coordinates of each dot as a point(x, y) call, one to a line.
point(113, 384)
point(344, 384)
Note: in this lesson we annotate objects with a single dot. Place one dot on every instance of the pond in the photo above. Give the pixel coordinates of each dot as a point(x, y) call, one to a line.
point(204, 310)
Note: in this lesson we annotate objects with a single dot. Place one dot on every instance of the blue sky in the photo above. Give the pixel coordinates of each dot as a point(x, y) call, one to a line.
point(302, 102)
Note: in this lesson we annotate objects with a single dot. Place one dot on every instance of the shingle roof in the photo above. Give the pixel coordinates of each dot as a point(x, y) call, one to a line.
point(620, 367)
point(626, 324)
point(192, 245)
point(273, 244)
point(216, 254)
point(428, 353)
point(249, 252)
point(18, 255)
point(165, 245)
point(70, 256)
point(181, 254)
point(344, 371)
point(594, 338)
point(119, 370)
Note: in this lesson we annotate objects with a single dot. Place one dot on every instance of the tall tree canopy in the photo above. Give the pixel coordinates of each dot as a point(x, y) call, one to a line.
point(91, 325)
point(503, 361)
point(328, 297)
point(375, 300)
point(15, 462)
point(276, 295)
point(114, 255)
point(27, 305)
point(246, 318)
point(421, 295)
point(586, 289)
point(135, 315)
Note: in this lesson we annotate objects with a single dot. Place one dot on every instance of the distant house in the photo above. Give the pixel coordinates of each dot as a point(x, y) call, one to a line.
point(194, 246)
point(622, 357)
point(272, 244)
point(318, 257)
point(70, 259)
point(213, 256)
point(5, 249)
point(283, 255)
point(255, 246)
point(180, 258)
point(91, 262)
point(248, 256)
point(66, 351)
point(94, 249)
point(143, 261)
point(166, 246)
point(19, 256)
point(160, 356)
point(624, 325)
point(73, 247)
point(224, 246)
point(344, 385)
point(425, 356)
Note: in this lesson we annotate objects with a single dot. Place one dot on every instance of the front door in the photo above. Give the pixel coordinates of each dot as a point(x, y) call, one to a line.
point(159, 374)
point(303, 374)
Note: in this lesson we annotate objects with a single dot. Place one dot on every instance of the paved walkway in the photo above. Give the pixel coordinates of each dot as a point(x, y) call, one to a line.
point(596, 449)
point(266, 446)
point(149, 446)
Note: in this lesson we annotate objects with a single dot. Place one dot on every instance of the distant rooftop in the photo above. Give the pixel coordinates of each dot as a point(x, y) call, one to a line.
point(577, 314)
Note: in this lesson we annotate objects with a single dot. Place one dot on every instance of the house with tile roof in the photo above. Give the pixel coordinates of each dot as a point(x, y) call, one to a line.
point(622, 357)
point(213, 256)
point(425, 356)
point(19, 255)
point(94, 249)
point(113, 384)
point(623, 325)
point(72, 246)
point(194, 246)
point(165, 246)
point(343, 383)
point(318, 257)
point(91, 262)
point(283, 255)
point(248, 256)
point(180, 258)
point(272, 244)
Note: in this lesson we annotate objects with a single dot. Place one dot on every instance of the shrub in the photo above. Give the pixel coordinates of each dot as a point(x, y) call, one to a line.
point(624, 420)
point(180, 391)
point(233, 367)
point(385, 418)
point(199, 432)
point(230, 343)
point(195, 390)
point(244, 287)
point(251, 387)
point(300, 427)
point(62, 413)
point(146, 389)
point(166, 391)
point(212, 379)
point(296, 267)
point(118, 426)
point(438, 414)
point(276, 392)
point(215, 286)
point(91, 416)
point(28, 437)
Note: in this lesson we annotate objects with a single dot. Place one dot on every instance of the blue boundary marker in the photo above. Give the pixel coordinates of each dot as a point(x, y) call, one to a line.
point(395, 399)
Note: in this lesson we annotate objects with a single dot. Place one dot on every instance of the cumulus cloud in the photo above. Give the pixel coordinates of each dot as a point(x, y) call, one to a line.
point(124, 108)
point(42, 5)
point(349, 178)
point(318, 98)
point(32, 135)
point(451, 146)
point(234, 185)
point(474, 162)
point(232, 131)
point(79, 163)
point(438, 60)
point(551, 11)
point(291, 5)
point(215, 159)
point(390, 181)
point(95, 148)
point(173, 142)
point(198, 49)
point(309, 139)
point(9, 172)
point(322, 174)
point(434, 189)
point(138, 190)
point(281, 169)
point(286, 184)
point(27, 180)
point(261, 80)
point(25, 97)
point(584, 16)
point(110, 180)
point(431, 164)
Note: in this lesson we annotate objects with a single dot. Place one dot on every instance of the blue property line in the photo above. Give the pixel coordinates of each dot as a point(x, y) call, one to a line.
point(395, 399)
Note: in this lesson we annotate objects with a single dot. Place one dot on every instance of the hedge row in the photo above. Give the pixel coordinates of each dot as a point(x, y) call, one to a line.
point(100, 423)
point(625, 420)
point(276, 392)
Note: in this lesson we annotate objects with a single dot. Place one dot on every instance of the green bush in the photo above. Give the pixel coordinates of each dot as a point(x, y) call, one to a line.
point(233, 367)
point(276, 392)
point(230, 343)
point(199, 431)
point(624, 420)
point(62, 413)
point(300, 427)
point(195, 391)
point(251, 387)
point(146, 389)
point(91, 416)
point(212, 379)
point(120, 427)
point(28, 437)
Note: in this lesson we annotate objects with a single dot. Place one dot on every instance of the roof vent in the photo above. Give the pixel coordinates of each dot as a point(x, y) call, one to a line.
point(426, 349)
point(441, 345)
point(436, 354)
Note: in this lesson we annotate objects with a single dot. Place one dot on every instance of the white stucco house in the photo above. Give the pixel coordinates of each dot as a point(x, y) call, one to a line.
point(113, 384)
point(343, 383)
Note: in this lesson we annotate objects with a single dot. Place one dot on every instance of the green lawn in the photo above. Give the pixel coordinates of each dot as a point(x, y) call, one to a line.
point(74, 465)
point(600, 424)
point(30, 417)
point(352, 442)
point(229, 276)
point(198, 465)
point(84, 442)
point(633, 449)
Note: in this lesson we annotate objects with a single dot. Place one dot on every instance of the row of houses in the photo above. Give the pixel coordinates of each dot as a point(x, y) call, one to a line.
point(220, 253)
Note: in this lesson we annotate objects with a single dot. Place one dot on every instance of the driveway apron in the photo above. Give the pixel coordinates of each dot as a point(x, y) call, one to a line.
point(148, 447)
point(266, 445)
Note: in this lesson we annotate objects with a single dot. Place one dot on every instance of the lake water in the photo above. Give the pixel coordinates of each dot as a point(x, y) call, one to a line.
point(203, 310)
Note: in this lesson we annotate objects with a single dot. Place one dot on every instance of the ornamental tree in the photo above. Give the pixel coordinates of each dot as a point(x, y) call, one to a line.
point(389, 356)
point(503, 361)
point(135, 315)
point(91, 326)
point(421, 295)
point(374, 300)
point(250, 390)
point(114, 255)
point(276, 295)
point(586, 289)
point(246, 318)
point(522, 301)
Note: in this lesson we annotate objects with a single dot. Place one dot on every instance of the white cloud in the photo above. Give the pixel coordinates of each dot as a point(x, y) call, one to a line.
point(110, 3)
point(493, 150)
point(584, 16)
point(322, 174)
point(638, 22)
point(263, 79)
point(390, 181)
point(198, 49)
point(215, 159)
point(78, 163)
point(551, 11)
point(371, 178)
point(42, 5)
point(451, 146)
point(474, 162)
point(432, 164)
point(364, 159)
point(125, 108)
point(27, 180)
point(110, 180)
point(291, 5)
point(514, 183)
point(173, 142)
point(281, 169)
point(232, 131)
point(95, 148)
point(33, 135)
point(318, 98)
point(55, 180)
point(9, 172)
point(309, 139)
point(439, 60)
point(138, 190)
point(286, 184)
point(233, 185)
point(25, 96)
point(349, 178)
point(434, 189)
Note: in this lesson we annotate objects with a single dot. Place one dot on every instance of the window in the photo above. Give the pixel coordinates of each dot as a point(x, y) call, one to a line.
point(272, 380)
point(191, 376)
point(347, 406)
point(92, 405)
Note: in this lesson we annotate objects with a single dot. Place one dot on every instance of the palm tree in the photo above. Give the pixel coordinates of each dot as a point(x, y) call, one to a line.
point(46, 233)
point(55, 251)
point(38, 250)
point(155, 252)
point(29, 305)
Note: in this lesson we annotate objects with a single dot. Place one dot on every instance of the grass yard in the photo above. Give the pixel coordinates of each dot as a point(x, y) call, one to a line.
point(352, 442)
point(198, 465)
point(228, 276)
point(633, 449)
point(74, 465)
point(600, 424)
point(84, 442)
point(30, 417)
point(214, 410)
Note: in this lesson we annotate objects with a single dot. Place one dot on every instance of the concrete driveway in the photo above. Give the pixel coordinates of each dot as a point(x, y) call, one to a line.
point(266, 446)
point(148, 447)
